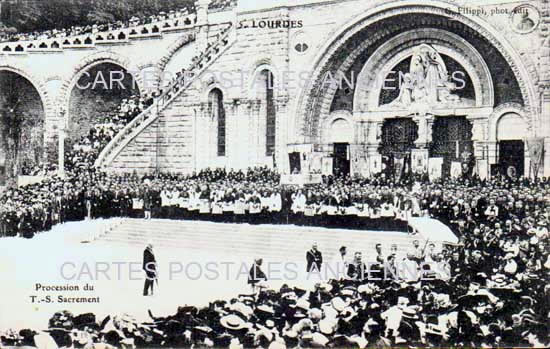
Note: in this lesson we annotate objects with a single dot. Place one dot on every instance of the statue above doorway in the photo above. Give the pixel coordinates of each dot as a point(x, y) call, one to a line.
point(428, 84)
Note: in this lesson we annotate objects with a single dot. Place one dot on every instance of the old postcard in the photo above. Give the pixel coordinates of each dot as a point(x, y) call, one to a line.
point(274, 173)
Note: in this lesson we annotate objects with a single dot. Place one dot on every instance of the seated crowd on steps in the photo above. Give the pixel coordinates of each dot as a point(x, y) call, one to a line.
point(95, 28)
point(87, 148)
point(495, 295)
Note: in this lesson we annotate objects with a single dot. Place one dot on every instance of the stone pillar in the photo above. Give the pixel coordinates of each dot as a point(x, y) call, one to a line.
point(202, 25)
point(202, 137)
point(424, 131)
point(249, 149)
point(256, 131)
point(546, 128)
point(480, 148)
point(281, 157)
point(61, 146)
point(236, 132)
point(373, 139)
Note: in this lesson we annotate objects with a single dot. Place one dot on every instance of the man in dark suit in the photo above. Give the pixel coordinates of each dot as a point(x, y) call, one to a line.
point(357, 271)
point(256, 275)
point(150, 269)
point(314, 259)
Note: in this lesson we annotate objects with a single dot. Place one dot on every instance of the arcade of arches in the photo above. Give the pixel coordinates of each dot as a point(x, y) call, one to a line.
point(97, 92)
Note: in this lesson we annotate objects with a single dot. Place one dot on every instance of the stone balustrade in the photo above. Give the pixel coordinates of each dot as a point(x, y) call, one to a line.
point(90, 40)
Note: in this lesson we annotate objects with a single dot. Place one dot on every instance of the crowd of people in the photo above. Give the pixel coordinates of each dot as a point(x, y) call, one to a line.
point(256, 196)
point(185, 16)
point(182, 14)
point(35, 208)
point(494, 292)
point(87, 148)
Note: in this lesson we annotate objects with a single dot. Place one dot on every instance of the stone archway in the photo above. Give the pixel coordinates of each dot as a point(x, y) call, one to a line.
point(504, 109)
point(313, 98)
point(38, 83)
point(96, 96)
point(401, 47)
point(22, 126)
point(95, 59)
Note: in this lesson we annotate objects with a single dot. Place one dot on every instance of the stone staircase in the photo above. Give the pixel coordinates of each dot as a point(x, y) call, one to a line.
point(272, 242)
point(171, 95)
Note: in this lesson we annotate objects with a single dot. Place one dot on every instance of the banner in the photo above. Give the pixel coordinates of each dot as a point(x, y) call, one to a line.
point(315, 163)
point(398, 167)
point(419, 160)
point(456, 169)
point(326, 166)
point(536, 151)
point(482, 169)
point(375, 163)
point(363, 167)
point(301, 179)
point(435, 168)
point(294, 162)
point(28, 180)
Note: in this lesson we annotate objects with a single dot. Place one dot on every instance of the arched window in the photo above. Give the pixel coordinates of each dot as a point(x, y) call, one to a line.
point(215, 98)
point(267, 83)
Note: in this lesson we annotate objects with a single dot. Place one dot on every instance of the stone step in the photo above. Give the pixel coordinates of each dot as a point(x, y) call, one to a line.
point(283, 242)
point(227, 241)
point(259, 231)
point(245, 227)
point(239, 247)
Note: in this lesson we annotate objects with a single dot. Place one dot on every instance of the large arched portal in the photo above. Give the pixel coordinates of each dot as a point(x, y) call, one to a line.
point(96, 96)
point(21, 127)
point(413, 63)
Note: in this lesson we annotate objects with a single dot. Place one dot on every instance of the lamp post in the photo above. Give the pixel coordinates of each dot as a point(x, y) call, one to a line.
point(63, 125)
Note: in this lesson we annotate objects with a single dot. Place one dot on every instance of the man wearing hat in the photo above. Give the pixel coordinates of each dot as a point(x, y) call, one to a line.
point(150, 269)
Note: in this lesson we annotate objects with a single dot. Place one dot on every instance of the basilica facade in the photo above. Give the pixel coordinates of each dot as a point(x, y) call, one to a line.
point(345, 87)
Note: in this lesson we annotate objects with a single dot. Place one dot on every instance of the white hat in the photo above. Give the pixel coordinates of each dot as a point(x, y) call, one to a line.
point(319, 339)
point(327, 326)
point(338, 304)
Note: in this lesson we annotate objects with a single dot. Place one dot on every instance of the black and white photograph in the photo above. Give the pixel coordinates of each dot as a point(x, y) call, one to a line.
point(274, 174)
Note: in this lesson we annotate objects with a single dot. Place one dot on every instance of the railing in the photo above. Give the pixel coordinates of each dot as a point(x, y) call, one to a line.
point(119, 35)
point(173, 91)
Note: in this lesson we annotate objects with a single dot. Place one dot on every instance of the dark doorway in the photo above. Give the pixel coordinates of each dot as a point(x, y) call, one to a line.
point(451, 140)
point(341, 162)
point(512, 157)
point(398, 136)
point(295, 163)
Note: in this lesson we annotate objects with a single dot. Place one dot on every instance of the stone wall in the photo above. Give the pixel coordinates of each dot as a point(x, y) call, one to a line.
point(291, 51)
point(186, 131)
